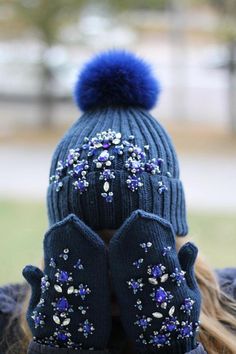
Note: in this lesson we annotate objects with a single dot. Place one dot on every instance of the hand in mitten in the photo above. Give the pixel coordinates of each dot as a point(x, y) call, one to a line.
point(156, 288)
point(70, 305)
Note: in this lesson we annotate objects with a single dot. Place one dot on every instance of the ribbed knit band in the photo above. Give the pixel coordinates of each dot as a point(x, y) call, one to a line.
point(169, 205)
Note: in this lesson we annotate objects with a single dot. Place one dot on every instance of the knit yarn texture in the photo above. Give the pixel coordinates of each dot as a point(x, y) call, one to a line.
point(90, 206)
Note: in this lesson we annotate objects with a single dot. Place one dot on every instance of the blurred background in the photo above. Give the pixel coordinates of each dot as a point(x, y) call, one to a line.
point(192, 47)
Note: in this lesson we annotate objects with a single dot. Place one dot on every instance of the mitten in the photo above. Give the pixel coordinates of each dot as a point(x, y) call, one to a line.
point(156, 288)
point(70, 302)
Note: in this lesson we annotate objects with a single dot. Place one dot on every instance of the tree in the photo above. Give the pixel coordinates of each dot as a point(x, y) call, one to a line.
point(45, 18)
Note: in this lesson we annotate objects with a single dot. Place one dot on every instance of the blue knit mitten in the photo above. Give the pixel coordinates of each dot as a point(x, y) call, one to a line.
point(70, 302)
point(156, 288)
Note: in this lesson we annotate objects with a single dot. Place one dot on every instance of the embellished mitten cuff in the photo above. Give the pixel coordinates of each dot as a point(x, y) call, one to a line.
point(70, 304)
point(155, 287)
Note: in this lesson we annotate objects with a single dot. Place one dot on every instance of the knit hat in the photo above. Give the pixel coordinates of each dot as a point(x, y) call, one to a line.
point(116, 157)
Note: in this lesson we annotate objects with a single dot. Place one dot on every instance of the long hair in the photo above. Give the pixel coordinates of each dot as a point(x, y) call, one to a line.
point(217, 319)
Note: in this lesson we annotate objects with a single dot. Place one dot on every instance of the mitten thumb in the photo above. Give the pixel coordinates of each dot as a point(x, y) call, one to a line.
point(187, 256)
point(33, 275)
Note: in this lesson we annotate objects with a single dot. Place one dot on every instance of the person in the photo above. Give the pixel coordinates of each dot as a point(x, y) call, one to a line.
point(120, 274)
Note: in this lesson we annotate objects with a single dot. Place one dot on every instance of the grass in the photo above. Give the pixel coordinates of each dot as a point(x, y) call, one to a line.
point(23, 225)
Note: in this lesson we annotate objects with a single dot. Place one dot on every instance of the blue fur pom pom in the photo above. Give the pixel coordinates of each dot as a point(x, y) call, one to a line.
point(116, 78)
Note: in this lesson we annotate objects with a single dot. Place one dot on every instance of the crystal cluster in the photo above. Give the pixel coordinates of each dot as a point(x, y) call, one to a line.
point(64, 287)
point(163, 279)
point(102, 149)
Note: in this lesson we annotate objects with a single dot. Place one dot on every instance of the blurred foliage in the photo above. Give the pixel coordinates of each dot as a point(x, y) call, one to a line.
point(24, 224)
point(47, 17)
point(226, 10)
point(141, 4)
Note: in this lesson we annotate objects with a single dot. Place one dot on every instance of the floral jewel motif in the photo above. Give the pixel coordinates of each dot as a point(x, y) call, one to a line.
point(139, 305)
point(185, 330)
point(44, 283)
point(143, 322)
point(83, 309)
point(146, 246)
point(157, 272)
point(135, 285)
point(62, 336)
point(159, 339)
point(63, 276)
point(86, 328)
point(170, 324)
point(166, 250)
point(82, 291)
point(161, 297)
point(178, 276)
point(38, 319)
point(104, 147)
point(138, 263)
point(79, 265)
point(41, 302)
point(187, 305)
point(52, 263)
point(161, 187)
point(65, 254)
point(62, 305)
point(134, 183)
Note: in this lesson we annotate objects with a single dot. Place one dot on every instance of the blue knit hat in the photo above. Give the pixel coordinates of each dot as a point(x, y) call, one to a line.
point(116, 157)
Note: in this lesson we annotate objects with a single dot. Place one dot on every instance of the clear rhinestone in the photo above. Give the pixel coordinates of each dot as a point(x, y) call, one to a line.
point(58, 288)
point(56, 319)
point(106, 186)
point(66, 322)
point(70, 290)
point(157, 315)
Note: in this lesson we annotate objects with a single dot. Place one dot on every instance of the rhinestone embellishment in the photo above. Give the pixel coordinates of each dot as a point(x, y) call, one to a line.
point(102, 149)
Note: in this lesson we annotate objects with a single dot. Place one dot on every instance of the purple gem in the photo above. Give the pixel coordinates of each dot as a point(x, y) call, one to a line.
point(81, 185)
point(79, 167)
point(170, 324)
point(160, 295)
point(160, 162)
point(62, 336)
point(63, 276)
point(134, 284)
point(37, 320)
point(62, 304)
point(133, 183)
point(137, 150)
point(82, 291)
point(187, 305)
point(104, 156)
point(156, 271)
point(106, 174)
point(143, 322)
point(186, 330)
point(109, 198)
point(87, 328)
point(106, 144)
point(160, 339)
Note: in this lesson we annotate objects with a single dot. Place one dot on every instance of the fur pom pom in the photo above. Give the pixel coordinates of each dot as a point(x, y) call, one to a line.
point(116, 78)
